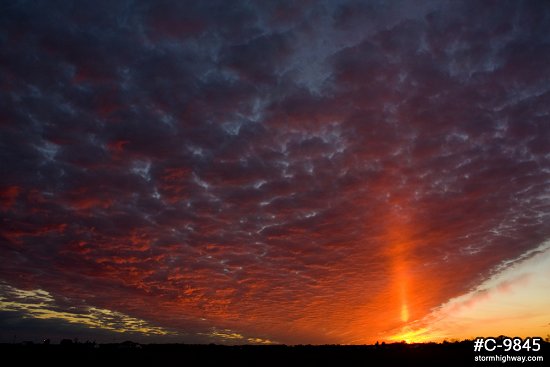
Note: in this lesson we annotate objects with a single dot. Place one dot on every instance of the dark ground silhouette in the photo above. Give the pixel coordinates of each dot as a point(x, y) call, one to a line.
point(129, 353)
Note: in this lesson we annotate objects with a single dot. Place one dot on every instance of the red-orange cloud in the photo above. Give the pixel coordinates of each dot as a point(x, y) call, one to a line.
point(320, 173)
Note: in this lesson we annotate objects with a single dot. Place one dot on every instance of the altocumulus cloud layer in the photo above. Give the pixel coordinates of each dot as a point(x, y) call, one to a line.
point(287, 171)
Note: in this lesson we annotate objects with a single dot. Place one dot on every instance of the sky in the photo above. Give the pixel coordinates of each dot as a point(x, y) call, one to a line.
point(264, 172)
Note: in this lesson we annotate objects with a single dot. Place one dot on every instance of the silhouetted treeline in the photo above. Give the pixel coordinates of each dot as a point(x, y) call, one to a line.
point(129, 353)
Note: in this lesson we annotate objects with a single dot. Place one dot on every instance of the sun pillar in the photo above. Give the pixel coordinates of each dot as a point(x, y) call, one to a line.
point(399, 250)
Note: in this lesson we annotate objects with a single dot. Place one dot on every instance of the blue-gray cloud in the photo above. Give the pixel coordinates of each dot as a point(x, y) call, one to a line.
point(244, 166)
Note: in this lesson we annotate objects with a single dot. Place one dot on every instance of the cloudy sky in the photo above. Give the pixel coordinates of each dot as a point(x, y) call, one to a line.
point(274, 171)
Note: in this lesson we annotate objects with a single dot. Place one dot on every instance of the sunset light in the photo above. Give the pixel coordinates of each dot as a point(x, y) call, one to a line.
point(264, 173)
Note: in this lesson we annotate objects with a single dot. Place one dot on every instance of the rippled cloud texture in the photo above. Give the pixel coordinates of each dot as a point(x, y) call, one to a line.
point(297, 172)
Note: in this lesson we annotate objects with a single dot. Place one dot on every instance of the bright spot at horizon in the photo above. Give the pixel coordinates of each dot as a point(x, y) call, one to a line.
point(514, 301)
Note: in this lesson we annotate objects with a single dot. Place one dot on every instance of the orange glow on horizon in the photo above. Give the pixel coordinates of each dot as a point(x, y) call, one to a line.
point(512, 302)
point(413, 336)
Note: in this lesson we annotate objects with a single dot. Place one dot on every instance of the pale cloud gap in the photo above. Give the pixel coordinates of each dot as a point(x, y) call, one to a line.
point(40, 304)
point(229, 336)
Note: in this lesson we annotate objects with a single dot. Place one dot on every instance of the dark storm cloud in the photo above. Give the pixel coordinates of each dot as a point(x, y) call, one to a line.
point(245, 166)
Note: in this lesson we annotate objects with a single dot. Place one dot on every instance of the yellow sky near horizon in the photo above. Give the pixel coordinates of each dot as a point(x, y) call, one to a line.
point(513, 302)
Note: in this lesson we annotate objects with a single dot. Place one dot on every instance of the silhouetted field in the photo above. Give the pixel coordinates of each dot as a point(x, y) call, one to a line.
point(127, 354)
